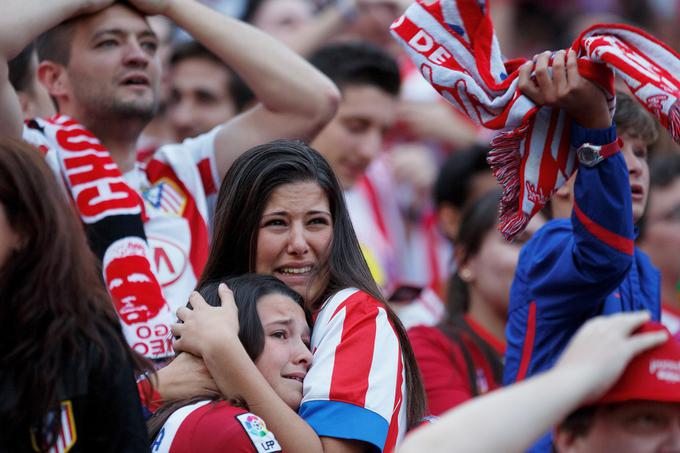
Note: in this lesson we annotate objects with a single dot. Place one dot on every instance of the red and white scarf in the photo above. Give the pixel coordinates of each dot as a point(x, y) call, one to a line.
point(453, 44)
point(112, 213)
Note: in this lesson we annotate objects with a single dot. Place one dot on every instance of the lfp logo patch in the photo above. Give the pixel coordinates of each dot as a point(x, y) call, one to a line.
point(263, 440)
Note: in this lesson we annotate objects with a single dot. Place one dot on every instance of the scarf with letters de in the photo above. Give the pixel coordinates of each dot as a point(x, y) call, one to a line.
point(453, 44)
point(112, 213)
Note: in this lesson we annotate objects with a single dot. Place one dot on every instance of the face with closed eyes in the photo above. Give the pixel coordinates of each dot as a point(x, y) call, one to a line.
point(285, 359)
point(294, 238)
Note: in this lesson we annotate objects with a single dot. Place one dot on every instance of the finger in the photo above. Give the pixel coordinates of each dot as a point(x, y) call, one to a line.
point(226, 295)
point(643, 341)
point(559, 71)
point(183, 313)
point(543, 79)
point(177, 329)
point(524, 82)
point(627, 323)
point(197, 300)
point(572, 68)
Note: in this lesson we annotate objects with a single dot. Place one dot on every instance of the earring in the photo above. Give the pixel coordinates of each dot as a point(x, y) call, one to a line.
point(465, 274)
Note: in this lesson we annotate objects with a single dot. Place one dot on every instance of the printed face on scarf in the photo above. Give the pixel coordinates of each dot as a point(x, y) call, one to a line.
point(355, 136)
point(285, 359)
point(113, 69)
point(294, 239)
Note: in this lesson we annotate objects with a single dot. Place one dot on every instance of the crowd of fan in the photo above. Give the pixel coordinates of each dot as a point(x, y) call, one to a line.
point(161, 161)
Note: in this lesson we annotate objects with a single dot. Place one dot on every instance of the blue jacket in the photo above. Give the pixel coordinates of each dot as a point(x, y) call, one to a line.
point(573, 270)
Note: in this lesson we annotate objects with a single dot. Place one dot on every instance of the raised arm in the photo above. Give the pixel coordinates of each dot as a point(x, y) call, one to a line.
point(296, 100)
point(526, 410)
point(20, 23)
point(592, 256)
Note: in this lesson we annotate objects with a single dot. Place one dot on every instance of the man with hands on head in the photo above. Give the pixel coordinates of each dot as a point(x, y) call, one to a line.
point(575, 269)
point(99, 64)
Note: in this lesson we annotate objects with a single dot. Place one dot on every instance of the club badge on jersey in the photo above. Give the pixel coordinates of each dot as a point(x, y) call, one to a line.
point(254, 426)
point(66, 436)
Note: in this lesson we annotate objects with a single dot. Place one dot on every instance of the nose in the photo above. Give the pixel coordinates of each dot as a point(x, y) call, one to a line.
point(370, 145)
point(632, 161)
point(181, 117)
point(303, 356)
point(297, 242)
point(135, 55)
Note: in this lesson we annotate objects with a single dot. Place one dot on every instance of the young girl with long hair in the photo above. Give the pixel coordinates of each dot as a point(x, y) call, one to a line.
point(275, 332)
point(66, 372)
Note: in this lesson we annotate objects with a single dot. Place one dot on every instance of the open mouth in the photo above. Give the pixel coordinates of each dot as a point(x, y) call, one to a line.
point(636, 191)
point(136, 80)
point(294, 378)
point(306, 270)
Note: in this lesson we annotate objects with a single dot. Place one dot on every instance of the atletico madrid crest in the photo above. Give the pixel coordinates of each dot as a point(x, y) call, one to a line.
point(66, 436)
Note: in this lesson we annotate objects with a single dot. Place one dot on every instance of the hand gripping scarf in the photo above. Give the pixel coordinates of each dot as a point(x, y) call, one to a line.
point(112, 213)
point(453, 44)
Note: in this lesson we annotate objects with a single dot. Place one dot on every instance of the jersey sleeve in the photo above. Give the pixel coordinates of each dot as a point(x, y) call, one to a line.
point(446, 384)
point(571, 267)
point(354, 386)
point(201, 151)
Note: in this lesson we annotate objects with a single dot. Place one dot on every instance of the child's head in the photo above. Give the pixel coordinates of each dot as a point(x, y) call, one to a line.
point(273, 328)
point(638, 130)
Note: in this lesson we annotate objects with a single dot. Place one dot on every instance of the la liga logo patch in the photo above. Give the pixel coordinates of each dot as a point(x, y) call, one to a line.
point(256, 429)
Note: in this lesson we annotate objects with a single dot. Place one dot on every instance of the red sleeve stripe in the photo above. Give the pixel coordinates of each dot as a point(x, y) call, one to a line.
point(207, 176)
point(615, 241)
point(354, 355)
point(528, 347)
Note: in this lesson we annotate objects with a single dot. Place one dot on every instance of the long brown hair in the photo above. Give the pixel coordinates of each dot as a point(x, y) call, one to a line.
point(478, 219)
point(243, 196)
point(54, 303)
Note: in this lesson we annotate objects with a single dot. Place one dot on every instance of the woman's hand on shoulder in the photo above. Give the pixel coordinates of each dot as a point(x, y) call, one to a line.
point(185, 377)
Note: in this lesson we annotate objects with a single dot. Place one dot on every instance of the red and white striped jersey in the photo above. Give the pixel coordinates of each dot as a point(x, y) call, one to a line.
point(179, 186)
point(214, 427)
point(356, 388)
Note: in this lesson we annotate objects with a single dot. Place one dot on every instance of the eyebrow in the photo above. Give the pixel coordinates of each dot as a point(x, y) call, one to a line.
point(121, 32)
point(285, 322)
point(286, 213)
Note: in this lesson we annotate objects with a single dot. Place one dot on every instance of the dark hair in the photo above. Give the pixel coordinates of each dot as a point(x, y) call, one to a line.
point(55, 307)
point(193, 49)
point(244, 193)
point(248, 290)
point(454, 182)
point(632, 119)
point(478, 219)
point(358, 63)
point(21, 69)
point(55, 44)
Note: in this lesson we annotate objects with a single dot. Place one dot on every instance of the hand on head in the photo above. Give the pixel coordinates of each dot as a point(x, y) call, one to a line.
point(204, 325)
point(564, 88)
point(92, 6)
point(602, 348)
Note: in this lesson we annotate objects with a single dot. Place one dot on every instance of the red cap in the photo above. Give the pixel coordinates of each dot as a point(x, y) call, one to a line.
point(653, 375)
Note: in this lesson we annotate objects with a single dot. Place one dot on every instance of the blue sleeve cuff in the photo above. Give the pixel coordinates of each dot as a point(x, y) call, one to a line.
point(346, 421)
point(581, 135)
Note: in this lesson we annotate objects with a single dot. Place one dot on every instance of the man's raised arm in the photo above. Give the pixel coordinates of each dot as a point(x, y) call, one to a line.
point(20, 23)
point(296, 100)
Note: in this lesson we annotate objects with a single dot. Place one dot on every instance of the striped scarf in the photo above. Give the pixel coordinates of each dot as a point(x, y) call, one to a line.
point(113, 215)
point(453, 44)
